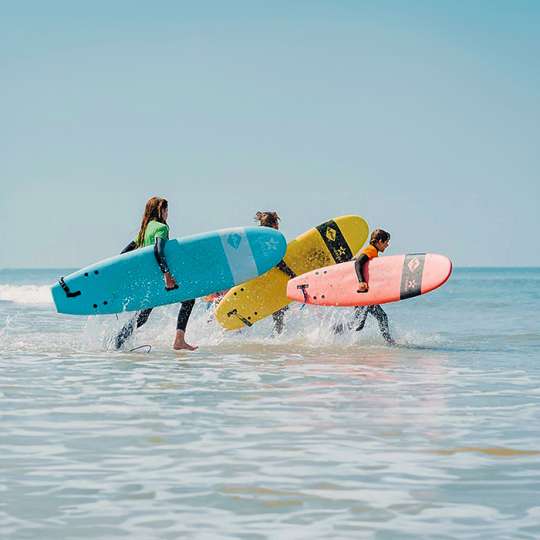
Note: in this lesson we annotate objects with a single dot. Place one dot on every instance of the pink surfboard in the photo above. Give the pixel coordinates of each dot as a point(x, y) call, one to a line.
point(390, 279)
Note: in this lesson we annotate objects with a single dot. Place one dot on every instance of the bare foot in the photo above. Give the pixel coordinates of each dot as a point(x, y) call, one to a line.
point(180, 342)
point(184, 346)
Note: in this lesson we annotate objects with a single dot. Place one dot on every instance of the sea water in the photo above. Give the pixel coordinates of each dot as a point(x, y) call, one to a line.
point(307, 434)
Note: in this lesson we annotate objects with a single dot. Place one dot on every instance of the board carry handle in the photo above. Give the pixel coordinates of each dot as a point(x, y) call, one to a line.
point(243, 319)
point(65, 288)
point(303, 288)
point(286, 269)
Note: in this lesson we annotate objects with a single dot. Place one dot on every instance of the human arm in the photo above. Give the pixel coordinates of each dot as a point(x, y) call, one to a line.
point(358, 266)
point(159, 253)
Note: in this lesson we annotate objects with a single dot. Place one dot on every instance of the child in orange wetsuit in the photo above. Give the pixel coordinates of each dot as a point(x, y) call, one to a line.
point(378, 242)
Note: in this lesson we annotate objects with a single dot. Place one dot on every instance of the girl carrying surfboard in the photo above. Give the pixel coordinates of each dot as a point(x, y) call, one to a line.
point(155, 231)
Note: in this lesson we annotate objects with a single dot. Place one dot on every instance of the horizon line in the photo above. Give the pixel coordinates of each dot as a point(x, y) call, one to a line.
point(74, 268)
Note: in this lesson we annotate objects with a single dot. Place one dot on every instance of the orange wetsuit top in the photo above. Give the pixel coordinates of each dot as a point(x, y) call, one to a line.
point(368, 253)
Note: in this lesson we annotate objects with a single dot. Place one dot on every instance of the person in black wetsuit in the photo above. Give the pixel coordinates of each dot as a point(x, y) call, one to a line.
point(271, 219)
point(378, 242)
point(155, 231)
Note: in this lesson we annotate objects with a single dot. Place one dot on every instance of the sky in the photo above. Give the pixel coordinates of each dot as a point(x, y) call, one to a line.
point(421, 116)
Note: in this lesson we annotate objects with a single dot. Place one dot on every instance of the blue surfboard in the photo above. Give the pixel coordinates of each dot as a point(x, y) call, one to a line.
point(201, 264)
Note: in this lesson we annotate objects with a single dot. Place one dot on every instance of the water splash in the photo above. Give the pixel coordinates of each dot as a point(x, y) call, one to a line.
point(32, 325)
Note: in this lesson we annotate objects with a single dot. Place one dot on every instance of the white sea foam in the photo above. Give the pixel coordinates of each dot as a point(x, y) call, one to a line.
point(26, 294)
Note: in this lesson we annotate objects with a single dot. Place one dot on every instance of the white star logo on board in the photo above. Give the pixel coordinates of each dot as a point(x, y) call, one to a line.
point(341, 252)
point(272, 244)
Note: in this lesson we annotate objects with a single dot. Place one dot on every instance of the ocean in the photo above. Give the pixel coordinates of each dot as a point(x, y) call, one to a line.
point(253, 436)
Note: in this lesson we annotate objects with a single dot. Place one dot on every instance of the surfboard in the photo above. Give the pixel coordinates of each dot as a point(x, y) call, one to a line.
point(201, 264)
point(390, 279)
point(332, 242)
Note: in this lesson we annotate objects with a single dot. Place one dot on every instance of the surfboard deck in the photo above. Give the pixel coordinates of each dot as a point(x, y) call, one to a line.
point(201, 264)
point(390, 279)
point(334, 241)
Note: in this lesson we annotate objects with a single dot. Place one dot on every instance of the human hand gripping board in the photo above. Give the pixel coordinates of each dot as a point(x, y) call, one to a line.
point(200, 264)
point(333, 241)
point(389, 279)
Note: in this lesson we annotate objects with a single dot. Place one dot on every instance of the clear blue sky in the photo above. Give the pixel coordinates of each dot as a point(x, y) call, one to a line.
point(421, 116)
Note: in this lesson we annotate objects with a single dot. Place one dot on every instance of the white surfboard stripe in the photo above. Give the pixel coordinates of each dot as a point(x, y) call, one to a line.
point(239, 255)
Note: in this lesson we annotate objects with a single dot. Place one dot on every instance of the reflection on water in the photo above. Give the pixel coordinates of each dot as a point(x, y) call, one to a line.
point(334, 441)
point(497, 452)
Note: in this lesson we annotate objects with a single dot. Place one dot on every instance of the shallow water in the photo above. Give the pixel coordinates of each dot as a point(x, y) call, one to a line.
point(304, 435)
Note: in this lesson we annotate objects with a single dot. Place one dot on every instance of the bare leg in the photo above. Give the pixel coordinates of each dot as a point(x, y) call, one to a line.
point(181, 323)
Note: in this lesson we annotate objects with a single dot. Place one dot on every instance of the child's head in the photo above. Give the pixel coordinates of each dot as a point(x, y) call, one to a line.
point(380, 239)
point(268, 219)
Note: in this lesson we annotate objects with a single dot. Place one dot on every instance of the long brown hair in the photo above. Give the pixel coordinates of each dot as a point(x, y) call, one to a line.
point(153, 211)
point(268, 219)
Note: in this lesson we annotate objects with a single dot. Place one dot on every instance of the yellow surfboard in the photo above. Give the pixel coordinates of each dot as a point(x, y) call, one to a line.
point(335, 241)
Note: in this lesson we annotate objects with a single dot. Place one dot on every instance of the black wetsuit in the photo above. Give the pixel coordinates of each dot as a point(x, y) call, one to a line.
point(142, 316)
point(279, 315)
point(361, 312)
point(360, 316)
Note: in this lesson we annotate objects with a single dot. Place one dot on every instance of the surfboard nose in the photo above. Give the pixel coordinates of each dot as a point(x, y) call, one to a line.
point(66, 298)
point(56, 292)
point(437, 271)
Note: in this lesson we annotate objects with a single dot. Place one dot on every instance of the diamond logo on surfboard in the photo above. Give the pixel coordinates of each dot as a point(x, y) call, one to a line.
point(413, 264)
point(331, 234)
point(234, 240)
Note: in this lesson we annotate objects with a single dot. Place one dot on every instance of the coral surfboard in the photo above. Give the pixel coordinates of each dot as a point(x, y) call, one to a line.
point(201, 264)
point(390, 279)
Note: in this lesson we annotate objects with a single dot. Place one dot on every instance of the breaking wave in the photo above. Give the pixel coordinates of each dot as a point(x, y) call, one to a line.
point(26, 294)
